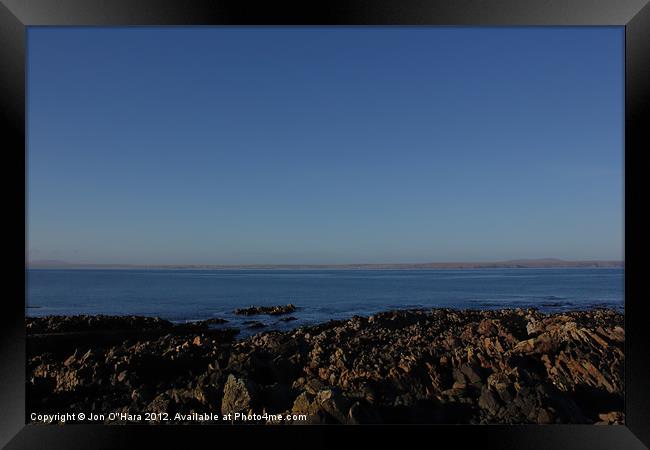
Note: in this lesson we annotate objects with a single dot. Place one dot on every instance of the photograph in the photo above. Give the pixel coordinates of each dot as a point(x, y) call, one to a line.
point(275, 225)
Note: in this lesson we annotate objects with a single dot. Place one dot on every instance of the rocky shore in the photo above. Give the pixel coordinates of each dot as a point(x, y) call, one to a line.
point(424, 366)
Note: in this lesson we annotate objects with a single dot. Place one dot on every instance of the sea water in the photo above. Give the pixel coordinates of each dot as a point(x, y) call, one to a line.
point(320, 295)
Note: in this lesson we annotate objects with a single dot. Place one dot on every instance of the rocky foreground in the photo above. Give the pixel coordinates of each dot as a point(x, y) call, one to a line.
point(434, 366)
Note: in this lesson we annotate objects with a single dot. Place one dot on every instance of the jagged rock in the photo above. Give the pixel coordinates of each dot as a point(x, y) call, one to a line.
point(488, 401)
point(302, 403)
point(433, 366)
point(313, 386)
point(471, 374)
point(237, 395)
point(611, 418)
point(487, 327)
point(160, 404)
point(67, 380)
point(71, 360)
point(333, 403)
point(545, 417)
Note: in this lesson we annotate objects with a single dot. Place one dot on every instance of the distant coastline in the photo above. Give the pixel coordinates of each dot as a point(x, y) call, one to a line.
point(510, 264)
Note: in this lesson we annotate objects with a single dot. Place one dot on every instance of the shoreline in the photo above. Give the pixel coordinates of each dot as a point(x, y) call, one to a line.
point(401, 366)
point(244, 327)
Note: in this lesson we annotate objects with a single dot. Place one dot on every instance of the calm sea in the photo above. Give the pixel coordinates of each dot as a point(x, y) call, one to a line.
point(320, 295)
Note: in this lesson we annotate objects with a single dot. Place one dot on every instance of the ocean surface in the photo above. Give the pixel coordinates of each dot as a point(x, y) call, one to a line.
point(319, 295)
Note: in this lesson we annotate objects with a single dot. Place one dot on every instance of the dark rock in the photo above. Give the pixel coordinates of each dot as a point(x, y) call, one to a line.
point(269, 310)
point(61, 324)
point(276, 397)
point(313, 386)
point(360, 414)
point(471, 374)
point(458, 376)
point(488, 401)
point(215, 321)
point(545, 417)
point(437, 366)
point(334, 404)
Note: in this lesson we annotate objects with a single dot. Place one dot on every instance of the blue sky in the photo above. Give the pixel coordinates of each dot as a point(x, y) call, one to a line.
point(324, 145)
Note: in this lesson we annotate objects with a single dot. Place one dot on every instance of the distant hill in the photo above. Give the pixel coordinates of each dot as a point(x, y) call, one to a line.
point(49, 262)
point(515, 263)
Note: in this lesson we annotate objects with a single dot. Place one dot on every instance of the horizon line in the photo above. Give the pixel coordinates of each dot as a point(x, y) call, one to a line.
point(522, 263)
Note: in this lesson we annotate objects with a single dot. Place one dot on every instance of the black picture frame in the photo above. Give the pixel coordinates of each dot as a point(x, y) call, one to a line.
point(634, 15)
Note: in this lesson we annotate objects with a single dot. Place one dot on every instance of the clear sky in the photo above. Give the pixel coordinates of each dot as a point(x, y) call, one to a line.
point(324, 145)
